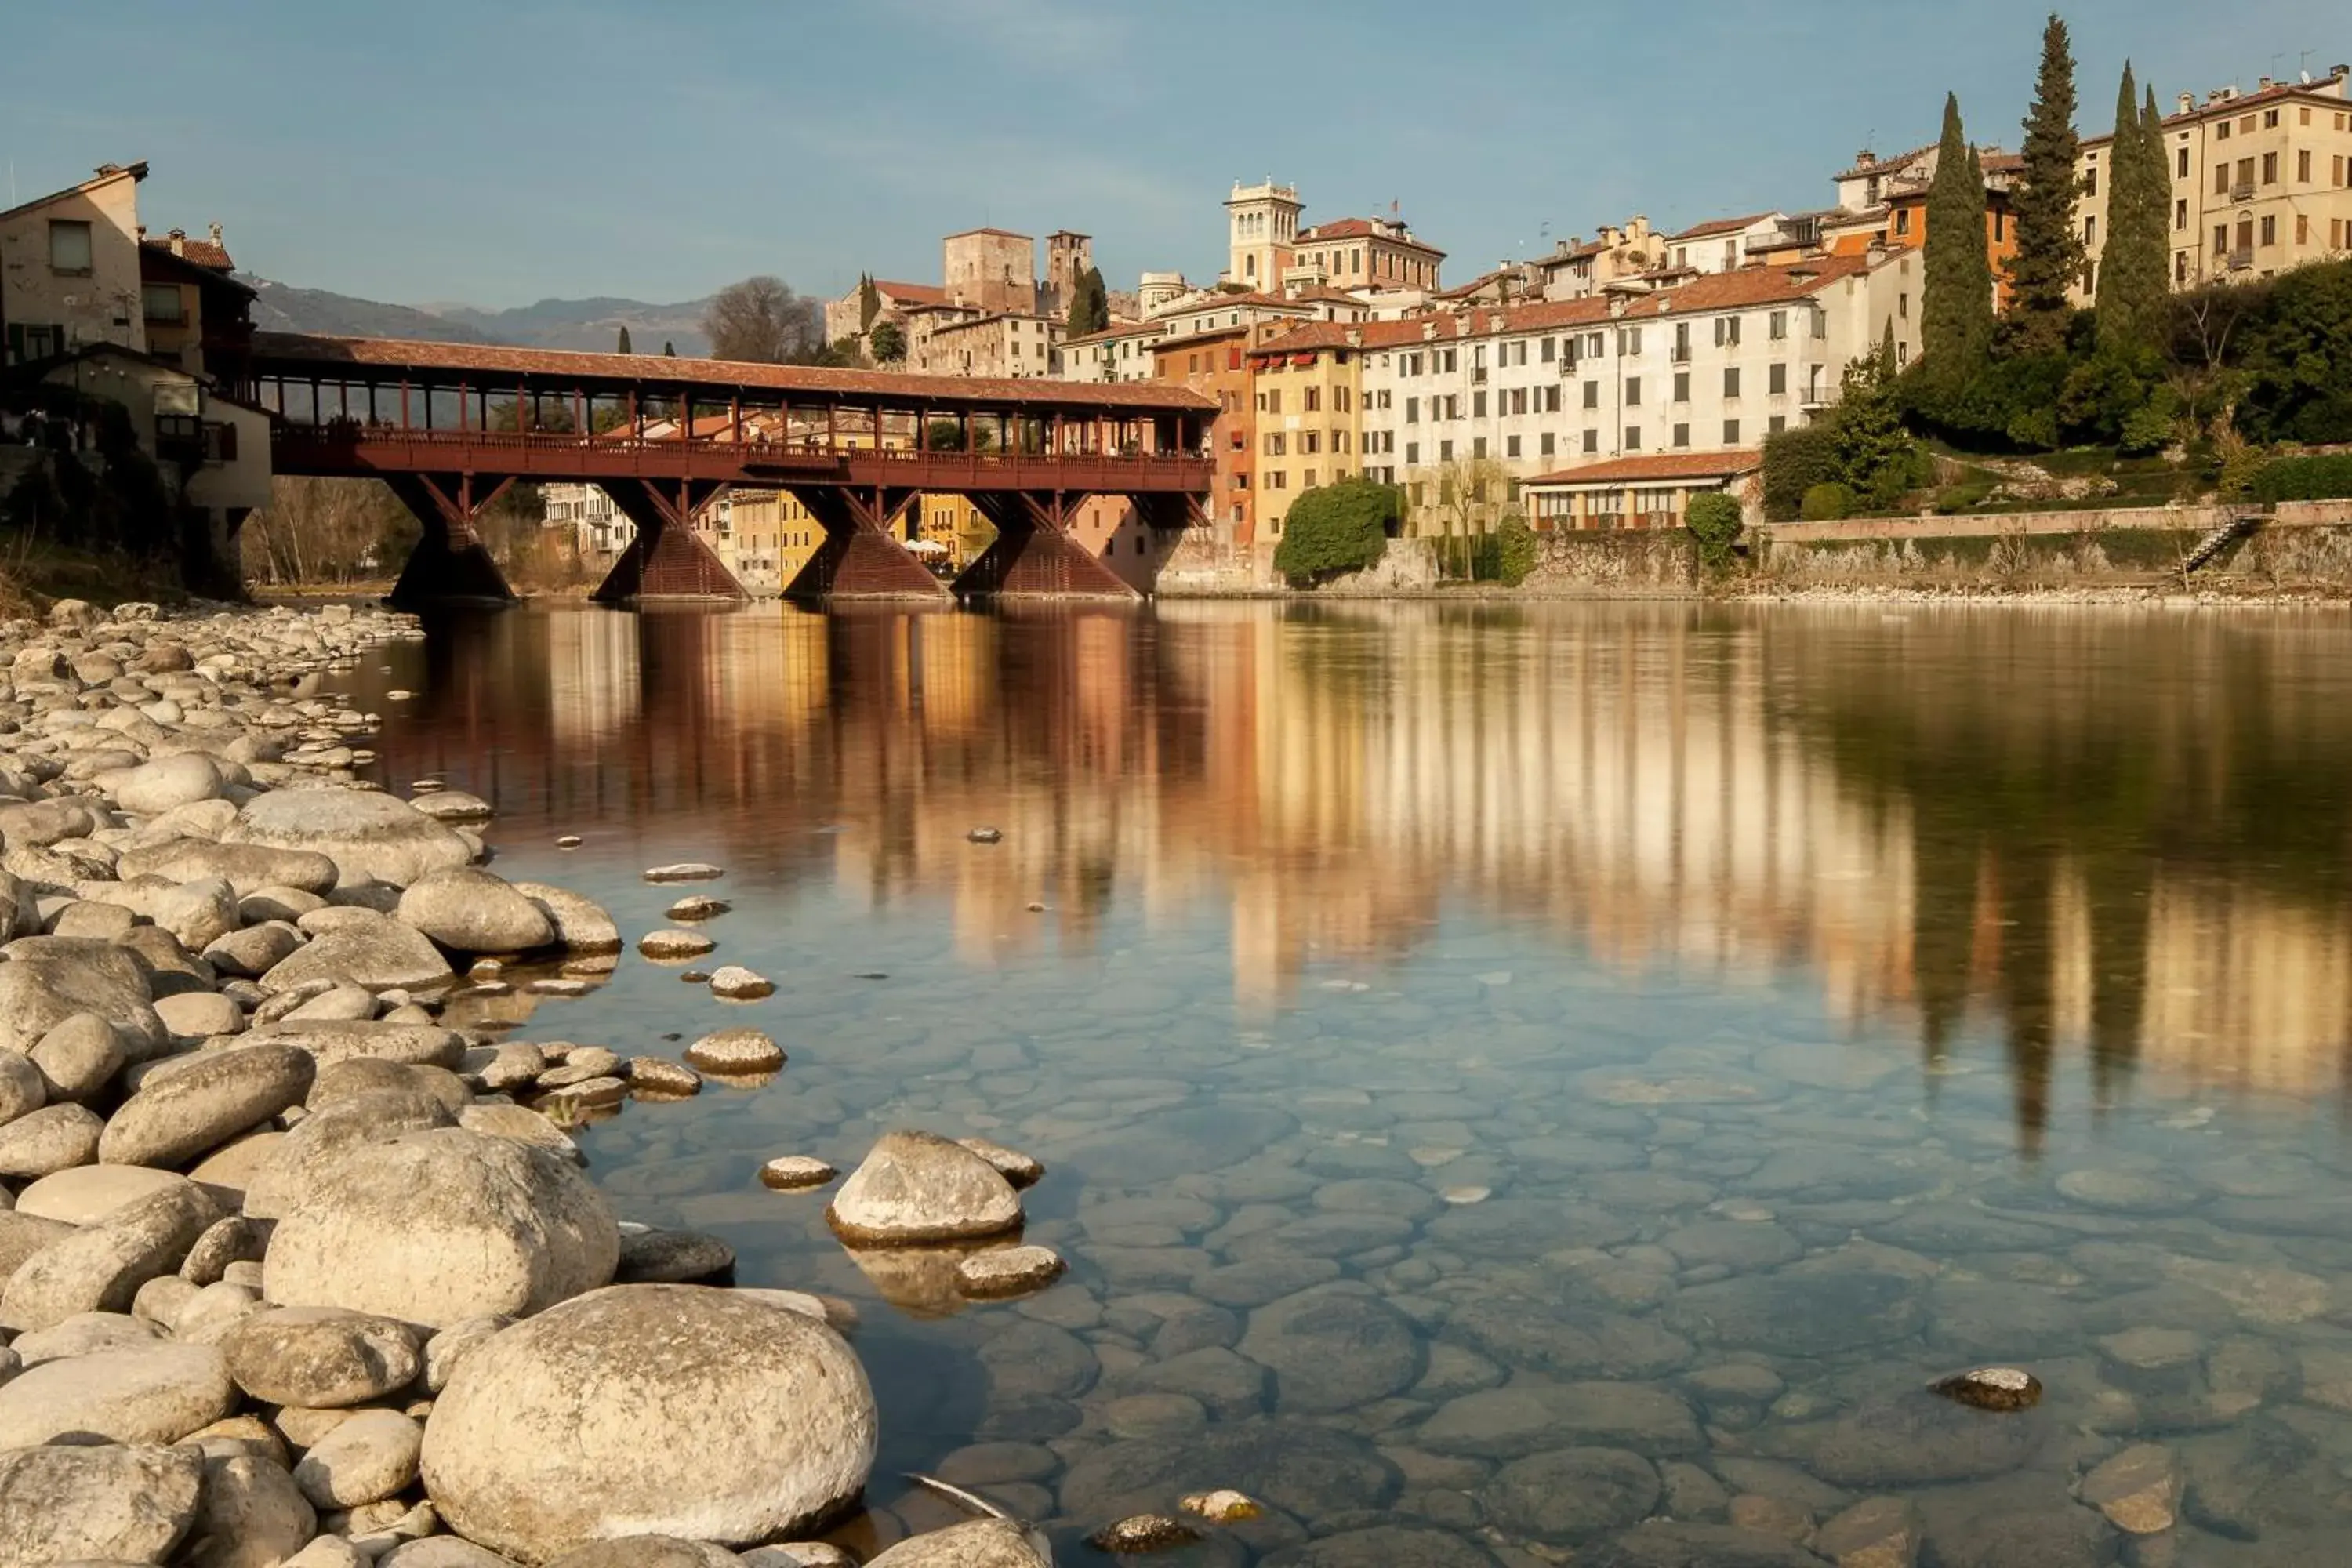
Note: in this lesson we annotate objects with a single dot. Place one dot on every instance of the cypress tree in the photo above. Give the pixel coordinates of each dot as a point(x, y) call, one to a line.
point(1090, 304)
point(2131, 273)
point(622, 347)
point(2049, 259)
point(2160, 167)
point(869, 301)
point(1955, 316)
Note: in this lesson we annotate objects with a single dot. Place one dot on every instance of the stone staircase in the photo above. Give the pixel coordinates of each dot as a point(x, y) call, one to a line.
point(2219, 538)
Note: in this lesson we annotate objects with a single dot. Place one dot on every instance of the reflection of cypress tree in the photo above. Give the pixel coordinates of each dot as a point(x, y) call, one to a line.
point(2024, 985)
point(1943, 910)
point(2119, 893)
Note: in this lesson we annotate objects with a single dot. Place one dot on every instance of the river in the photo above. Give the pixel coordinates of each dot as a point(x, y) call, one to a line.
point(1505, 1074)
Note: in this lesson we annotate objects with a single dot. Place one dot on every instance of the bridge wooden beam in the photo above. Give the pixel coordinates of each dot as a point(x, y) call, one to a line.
point(1034, 555)
point(449, 563)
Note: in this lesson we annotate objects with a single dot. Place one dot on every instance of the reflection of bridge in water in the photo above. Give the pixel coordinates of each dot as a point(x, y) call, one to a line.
point(1647, 784)
point(449, 427)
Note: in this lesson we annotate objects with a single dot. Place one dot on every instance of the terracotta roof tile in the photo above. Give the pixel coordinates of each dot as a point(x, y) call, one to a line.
point(304, 352)
point(203, 252)
point(912, 293)
point(1657, 466)
point(1721, 225)
point(1358, 229)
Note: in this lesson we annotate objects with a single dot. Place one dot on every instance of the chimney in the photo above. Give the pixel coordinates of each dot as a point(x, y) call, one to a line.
point(1429, 331)
point(2188, 102)
point(215, 233)
point(1354, 337)
point(179, 242)
point(2261, 84)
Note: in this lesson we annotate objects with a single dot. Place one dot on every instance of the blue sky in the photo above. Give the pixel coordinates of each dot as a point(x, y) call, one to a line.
point(497, 153)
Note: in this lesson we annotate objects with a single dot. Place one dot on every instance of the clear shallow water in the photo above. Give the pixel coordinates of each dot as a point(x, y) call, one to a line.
point(1505, 1075)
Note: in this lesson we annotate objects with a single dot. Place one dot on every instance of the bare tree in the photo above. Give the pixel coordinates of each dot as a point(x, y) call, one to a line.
point(326, 531)
point(760, 319)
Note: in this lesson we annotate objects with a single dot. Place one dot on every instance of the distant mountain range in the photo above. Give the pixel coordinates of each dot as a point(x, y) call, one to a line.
point(592, 325)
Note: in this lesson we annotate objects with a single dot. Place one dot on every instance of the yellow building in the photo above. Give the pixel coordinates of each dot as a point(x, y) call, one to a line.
point(765, 537)
point(1308, 400)
point(2261, 182)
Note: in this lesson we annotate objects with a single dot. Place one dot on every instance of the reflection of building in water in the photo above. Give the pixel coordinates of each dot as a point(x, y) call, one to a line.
point(1619, 780)
point(1998, 828)
point(593, 687)
point(2245, 992)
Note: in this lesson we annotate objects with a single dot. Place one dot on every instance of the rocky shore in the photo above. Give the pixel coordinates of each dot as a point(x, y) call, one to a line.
point(295, 1269)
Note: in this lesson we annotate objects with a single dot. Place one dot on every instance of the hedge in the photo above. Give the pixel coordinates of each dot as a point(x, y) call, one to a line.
point(2321, 477)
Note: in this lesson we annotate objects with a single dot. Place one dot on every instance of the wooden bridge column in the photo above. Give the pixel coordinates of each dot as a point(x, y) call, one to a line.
point(1034, 556)
point(450, 563)
point(863, 555)
point(666, 560)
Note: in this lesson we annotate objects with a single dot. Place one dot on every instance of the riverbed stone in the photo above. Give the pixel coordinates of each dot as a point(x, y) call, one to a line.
point(328, 1135)
point(369, 836)
point(99, 1268)
point(1313, 1472)
point(674, 1409)
point(321, 1358)
point(1798, 1313)
point(96, 1502)
point(131, 1394)
point(1570, 1495)
point(247, 867)
point(736, 1053)
point(85, 1194)
point(734, 983)
point(54, 1138)
point(1008, 1270)
point(434, 1227)
point(470, 910)
point(48, 979)
point(251, 1515)
point(582, 925)
point(172, 1120)
point(78, 1057)
point(365, 1459)
point(1919, 1439)
point(2138, 1489)
point(979, 1543)
point(386, 1039)
point(674, 946)
point(1334, 1348)
point(366, 949)
point(1533, 1413)
point(915, 1187)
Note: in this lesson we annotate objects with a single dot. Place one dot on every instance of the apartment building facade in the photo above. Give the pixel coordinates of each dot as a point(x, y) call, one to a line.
point(1717, 363)
point(2261, 182)
point(1306, 401)
point(1009, 344)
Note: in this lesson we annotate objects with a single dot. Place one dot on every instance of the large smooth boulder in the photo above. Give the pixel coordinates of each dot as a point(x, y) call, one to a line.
point(153, 788)
point(321, 1358)
point(436, 1227)
point(89, 1193)
point(649, 1409)
point(23, 1089)
point(371, 837)
point(173, 1119)
point(366, 949)
point(99, 1268)
point(917, 1187)
point(48, 979)
point(470, 910)
point(78, 1057)
point(146, 1394)
point(580, 923)
point(248, 867)
point(96, 1504)
point(328, 1135)
point(378, 1040)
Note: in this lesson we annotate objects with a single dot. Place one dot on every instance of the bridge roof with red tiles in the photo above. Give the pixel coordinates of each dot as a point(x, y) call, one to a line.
point(300, 355)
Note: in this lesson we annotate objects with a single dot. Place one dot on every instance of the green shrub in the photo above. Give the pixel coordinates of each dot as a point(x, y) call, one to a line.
point(1795, 460)
point(1336, 529)
point(2149, 427)
point(1514, 550)
point(2034, 429)
point(1714, 521)
point(1954, 498)
point(1827, 504)
point(2317, 478)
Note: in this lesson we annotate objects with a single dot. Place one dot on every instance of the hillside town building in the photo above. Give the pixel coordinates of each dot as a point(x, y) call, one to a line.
point(2261, 182)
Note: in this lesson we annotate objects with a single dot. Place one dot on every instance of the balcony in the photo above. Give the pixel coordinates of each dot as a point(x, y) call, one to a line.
point(1681, 353)
point(1478, 375)
point(2243, 191)
point(2241, 259)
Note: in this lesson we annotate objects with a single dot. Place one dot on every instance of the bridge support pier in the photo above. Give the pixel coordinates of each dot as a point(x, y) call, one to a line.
point(861, 556)
point(450, 563)
point(1035, 557)
point(666, 560)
